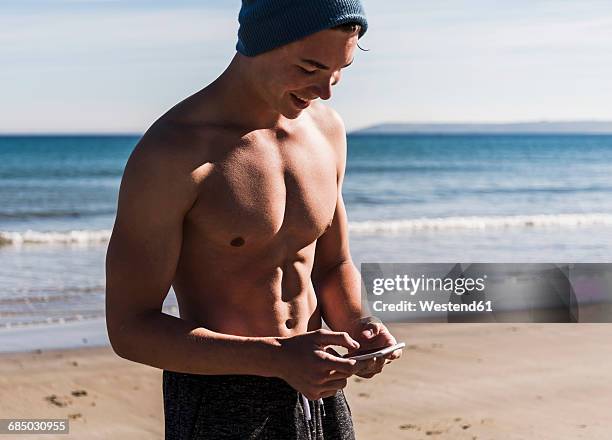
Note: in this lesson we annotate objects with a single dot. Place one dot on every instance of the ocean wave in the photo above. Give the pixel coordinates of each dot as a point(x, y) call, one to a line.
point(482, 222)
point(8, 238)
point(48, 295)
point(360, 228)
point(25, 215)
point(43, 321)
point(40, 321)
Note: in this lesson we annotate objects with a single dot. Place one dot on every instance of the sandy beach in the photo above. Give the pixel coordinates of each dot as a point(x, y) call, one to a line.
point(459, 381)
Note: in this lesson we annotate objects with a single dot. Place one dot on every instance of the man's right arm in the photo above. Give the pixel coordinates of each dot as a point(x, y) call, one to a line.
point(157, 190)
point(159, 187)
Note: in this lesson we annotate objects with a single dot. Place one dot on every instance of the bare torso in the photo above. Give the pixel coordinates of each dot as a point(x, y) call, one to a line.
point(264, 197)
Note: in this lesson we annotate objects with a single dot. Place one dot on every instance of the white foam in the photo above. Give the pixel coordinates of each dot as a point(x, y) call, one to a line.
point(365, 227)
point(84, 333)
point(65, 237)
point(518, 221)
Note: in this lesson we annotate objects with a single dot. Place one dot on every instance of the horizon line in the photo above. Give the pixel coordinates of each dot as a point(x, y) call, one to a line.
point(67, 134)
point(372, 125)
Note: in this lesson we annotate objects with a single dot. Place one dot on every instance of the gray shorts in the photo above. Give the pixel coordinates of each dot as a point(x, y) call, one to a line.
point(249, 407)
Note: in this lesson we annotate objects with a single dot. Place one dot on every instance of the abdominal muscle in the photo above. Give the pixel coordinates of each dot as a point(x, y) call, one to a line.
point(249, 296)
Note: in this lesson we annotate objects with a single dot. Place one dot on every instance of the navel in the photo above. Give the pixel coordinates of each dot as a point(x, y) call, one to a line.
point(237, 242)
point(290, 323)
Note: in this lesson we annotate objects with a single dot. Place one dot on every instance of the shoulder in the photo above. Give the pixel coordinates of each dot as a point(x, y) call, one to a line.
point(167, 167)
point(169, 150)
point(328, 121)
point(330, 124)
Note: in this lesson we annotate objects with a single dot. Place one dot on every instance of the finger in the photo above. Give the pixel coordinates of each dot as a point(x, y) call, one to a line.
point(341, 339)
point(395, 355)
point(370, 372)
point(367, 375)
point(371, 366)
point(335, 375)
point(367, 366)
point(344, 373)
point(334, 385)
point(339, 364)
point(371, 329)
point(384, 338)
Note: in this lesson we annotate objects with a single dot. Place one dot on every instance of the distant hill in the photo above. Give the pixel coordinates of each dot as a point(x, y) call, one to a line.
point(576, 127)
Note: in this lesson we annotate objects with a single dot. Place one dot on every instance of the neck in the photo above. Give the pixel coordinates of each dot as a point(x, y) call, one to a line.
point(243, 103)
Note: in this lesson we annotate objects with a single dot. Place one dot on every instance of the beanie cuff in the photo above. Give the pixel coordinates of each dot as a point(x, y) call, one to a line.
point(268, 24)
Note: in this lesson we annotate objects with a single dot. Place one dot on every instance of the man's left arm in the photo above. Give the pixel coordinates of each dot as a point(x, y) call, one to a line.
point(337, 281)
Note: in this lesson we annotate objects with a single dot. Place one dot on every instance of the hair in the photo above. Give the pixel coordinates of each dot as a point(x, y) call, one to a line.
point(350, 27)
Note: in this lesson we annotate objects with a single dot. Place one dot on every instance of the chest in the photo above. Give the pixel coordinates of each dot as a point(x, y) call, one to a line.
point(261, 193)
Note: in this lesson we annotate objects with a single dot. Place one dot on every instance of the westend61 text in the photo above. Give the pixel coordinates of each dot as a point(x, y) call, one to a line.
point(432, 306)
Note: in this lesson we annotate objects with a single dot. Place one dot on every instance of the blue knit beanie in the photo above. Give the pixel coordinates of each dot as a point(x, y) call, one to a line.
point(267, 24)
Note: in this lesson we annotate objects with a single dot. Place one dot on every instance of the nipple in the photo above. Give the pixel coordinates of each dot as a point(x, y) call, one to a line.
point(237, 242)
point(281, 134)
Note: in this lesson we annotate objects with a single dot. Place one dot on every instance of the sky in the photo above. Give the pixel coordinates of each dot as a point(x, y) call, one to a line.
point(78, 66)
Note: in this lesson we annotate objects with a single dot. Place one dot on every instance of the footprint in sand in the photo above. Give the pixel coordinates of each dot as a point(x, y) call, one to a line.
point(58, 401)
point(410, 426)
point(463, 426)
point(79, 393)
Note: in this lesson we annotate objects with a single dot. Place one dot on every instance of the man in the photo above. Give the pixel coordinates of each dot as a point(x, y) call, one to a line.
point(233, 197)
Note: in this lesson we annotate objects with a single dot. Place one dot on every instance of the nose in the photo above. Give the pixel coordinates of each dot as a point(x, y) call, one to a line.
point(325, 91)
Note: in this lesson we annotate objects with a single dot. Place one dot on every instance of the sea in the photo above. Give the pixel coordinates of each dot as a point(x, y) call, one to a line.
point(409, 198)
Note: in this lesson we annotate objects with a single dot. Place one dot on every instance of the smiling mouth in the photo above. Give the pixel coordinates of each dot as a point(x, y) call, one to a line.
point(299, 102)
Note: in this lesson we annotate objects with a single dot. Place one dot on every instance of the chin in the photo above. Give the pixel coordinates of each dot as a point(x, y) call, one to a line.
point(291, 113)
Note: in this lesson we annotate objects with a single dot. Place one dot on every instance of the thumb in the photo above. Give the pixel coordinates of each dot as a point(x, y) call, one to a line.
point(370, 330)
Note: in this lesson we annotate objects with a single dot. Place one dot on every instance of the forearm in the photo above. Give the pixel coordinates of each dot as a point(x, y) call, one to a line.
point(339, 293)
point(171, 343)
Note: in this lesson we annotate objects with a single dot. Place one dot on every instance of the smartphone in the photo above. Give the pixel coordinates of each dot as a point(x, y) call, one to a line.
point(375, 352)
